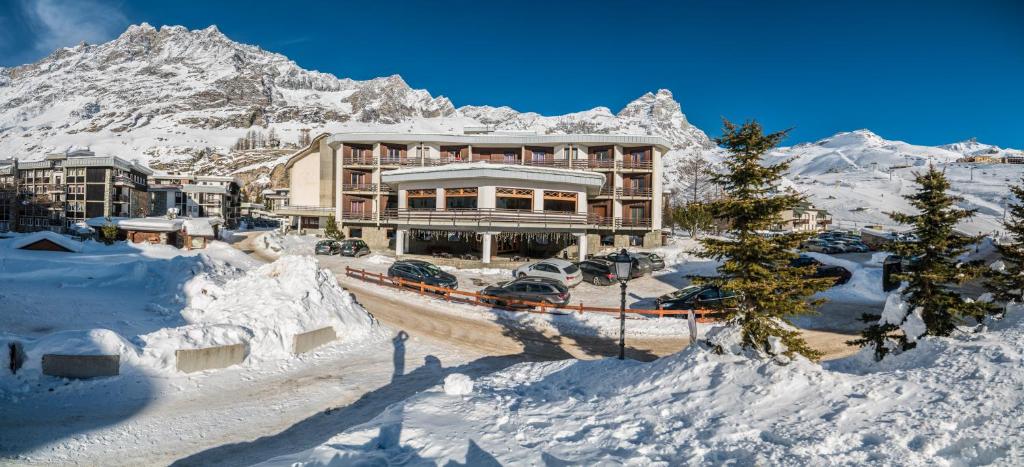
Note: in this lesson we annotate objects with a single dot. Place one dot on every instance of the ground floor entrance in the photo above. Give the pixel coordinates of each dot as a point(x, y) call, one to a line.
point(468, 244)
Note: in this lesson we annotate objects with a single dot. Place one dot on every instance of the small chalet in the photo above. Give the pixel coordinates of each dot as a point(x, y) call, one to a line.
point(47, 241)
point(182, 232)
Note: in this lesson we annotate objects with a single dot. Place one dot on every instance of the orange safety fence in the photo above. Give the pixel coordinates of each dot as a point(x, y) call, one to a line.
point(475, 298)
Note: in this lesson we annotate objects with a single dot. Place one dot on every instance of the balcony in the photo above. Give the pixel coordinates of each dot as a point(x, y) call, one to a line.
point(635, 222)
point(358, 160)
point(485, 217)
point(359, 187)
point(559, 163)
point(629, 164)
point(635, 192)
point(123, 180)
point(357, 215)
point(606, 192)
point(303, 210)
point(600, 164)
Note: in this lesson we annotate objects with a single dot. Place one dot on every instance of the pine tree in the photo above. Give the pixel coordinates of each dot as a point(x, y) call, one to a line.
point(756, 268)
point(331, 229)
point(933, 269)
point(693, 217)
point(108, 232)
point(1008, 285)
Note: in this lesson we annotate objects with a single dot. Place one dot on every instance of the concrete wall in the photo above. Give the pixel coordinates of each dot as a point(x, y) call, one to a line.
point(327, 174)
point(81, 366)
point(210, 358)
point(307, 341)
point(304, 181)
point(375, 237)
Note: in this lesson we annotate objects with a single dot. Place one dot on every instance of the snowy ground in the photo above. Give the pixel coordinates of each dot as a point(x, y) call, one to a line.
point(951, 401)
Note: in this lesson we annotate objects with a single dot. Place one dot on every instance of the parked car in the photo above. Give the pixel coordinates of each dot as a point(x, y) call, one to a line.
point(657, 262)
point(598, 271)
point(557, 269)
point(422, 271)
point(532, 289)
point(821, 246)
point(841, 274)
point(857, 246)
point(327, 247)
point(641, 264)
point(694, 297)
point(354, 247)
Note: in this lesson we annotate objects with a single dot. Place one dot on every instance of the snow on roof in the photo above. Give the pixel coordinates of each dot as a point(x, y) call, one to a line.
point(54, 237)
point(101, 221)
point(151, 224)
point(199, 227)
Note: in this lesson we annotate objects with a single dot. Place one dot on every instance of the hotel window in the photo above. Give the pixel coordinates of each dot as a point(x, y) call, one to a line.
point(394, 153)
point(357, 206)
point(510, 157)
point(636, 213)
point(538, 155)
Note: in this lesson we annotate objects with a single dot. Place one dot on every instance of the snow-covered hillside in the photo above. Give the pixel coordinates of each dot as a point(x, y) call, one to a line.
point(178, 98)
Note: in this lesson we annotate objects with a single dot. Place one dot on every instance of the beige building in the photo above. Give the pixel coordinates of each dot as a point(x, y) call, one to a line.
point(804, 218)
point(197, 196)
point(481, 193)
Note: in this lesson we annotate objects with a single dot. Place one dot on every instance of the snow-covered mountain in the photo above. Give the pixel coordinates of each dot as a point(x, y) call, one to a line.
point(180, 99)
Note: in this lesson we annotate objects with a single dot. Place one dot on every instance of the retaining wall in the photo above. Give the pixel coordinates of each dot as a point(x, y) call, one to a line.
point(210, 358)
point(307, 341)
point(81, 366)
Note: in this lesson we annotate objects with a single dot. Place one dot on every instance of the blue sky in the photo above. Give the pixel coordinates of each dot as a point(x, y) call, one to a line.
point(924, 72)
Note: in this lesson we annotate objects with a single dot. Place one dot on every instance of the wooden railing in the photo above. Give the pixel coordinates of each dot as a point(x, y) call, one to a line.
point(359, 187)
point(476, 298)
point(630, 191)
point(357, 215)
point(559, 163)
point(358, 160)
point(641, 165)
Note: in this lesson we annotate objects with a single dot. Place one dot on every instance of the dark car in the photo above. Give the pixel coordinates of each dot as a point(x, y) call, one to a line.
point(657, 262)
point(641, 264)
point(697, 297)
point(422, 271)
point(327, 247)
point(598, 271)
point(531, 289)
point(840, 273)
point(354, 247)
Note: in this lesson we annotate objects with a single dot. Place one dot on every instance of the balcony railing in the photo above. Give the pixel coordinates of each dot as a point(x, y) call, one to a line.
point(637, 164)
point(359, 187)
point(357, 215)
point(358, 160)
point(635, 222)
point(304, 210)
point(638, 192)
point(607, 191)
point(600, 163)
point(123, 180)
point(559, 163)
point(483, 217)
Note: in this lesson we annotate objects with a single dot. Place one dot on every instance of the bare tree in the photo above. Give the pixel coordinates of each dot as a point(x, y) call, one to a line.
point(695, 184)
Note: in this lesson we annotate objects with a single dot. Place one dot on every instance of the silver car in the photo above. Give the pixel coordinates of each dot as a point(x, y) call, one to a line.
point(558, 269)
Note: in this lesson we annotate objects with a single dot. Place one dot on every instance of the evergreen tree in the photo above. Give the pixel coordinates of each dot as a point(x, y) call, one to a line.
point(331, 229)
point(933, 270)
point(108, 233)
point(693, 217)
point(757, 268)
point(1007, 285)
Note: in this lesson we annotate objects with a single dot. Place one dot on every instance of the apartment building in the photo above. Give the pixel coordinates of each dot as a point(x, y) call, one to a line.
point(481, 193)
point(66, 188)
point(803, 218)
point(197, 196)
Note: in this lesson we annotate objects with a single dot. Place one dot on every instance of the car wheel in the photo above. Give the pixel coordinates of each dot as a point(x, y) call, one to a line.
point(522, 275)
point(597, 280)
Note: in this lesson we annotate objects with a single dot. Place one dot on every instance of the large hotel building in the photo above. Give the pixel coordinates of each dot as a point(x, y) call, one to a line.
point(481, 194)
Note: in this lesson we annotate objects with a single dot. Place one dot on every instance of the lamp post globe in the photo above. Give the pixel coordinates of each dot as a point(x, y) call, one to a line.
point(623, 270)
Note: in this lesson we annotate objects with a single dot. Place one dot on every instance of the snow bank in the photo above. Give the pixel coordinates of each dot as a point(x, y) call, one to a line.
point(948, 402)
point(88, 342)
point(275, 244)
point(276, 301)
point(458, 384)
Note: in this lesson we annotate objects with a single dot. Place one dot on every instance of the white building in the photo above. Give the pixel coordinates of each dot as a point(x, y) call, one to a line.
point(196, 196)
point(481, 193)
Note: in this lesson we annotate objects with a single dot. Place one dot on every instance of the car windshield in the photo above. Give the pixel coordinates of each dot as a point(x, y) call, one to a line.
point(571, 269)
point(431, 269)
point(685, 291)
point(655, 257)
point(324, 243)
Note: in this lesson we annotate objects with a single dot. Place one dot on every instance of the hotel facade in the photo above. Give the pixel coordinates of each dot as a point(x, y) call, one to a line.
point(480, 193)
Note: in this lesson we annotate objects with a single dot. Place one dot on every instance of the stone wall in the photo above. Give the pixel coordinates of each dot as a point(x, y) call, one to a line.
point(210, 358)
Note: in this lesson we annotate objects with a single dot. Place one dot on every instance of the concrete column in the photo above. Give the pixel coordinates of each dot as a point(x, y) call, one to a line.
point(399, 242)
point(581, 242)
point(403, 199)
point(538, 199)
point(439, 199)
point(486, 197)
point(485, 249)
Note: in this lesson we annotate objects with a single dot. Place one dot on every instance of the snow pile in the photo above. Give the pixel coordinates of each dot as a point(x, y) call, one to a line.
point(276, 244)
point(54, 237)
point(458, 384)
point(273, 303)
point(88, 342)
point(948, 402)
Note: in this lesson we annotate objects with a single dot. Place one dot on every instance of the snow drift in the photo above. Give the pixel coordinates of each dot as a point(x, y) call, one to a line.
point(951, 401)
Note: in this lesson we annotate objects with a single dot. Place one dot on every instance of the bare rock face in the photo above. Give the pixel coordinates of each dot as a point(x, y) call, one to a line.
point(180, 99)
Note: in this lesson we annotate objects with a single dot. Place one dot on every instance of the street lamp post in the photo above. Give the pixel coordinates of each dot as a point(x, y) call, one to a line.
point(623, 269)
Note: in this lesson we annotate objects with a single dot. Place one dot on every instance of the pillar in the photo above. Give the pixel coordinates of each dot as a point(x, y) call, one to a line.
point(581, 243)
point(538, 199)
point(439, 199)
point(399, 242)
point(485, 250)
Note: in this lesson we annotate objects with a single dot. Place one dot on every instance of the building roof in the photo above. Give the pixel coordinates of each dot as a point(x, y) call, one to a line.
point(522, 139)
point(61, 241)
point(199, 227)
point(592, 181)
point(221, 189)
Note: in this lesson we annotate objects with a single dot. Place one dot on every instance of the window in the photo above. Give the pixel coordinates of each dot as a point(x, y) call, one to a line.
point(422, 203)
point(394, 153)
point(636, 212)
point(510, 157)
point(602, 155)
point(356, 206)
point(538, 155)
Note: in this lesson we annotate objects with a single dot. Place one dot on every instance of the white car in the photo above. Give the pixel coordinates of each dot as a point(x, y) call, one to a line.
point(557, 269)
